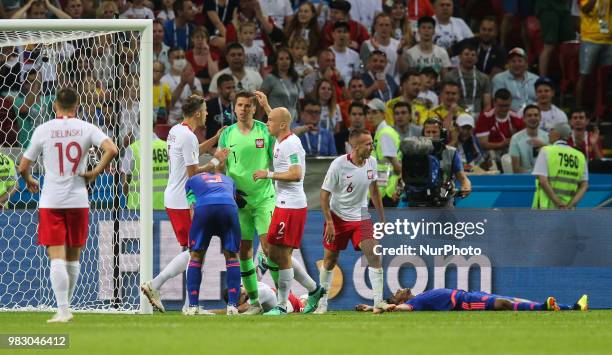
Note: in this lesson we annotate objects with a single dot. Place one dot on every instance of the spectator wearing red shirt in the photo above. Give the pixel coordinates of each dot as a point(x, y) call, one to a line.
point(589, 143)
point(419, 8)
point(339, 11)
point(203, 59)
point(496, 126)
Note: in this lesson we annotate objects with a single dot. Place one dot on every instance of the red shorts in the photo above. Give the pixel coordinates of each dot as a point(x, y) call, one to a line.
point(287, 226)
point(63, 226)
point(181, 223)
point(356, 231)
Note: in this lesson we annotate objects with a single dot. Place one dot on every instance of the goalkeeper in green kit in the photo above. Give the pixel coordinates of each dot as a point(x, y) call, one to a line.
point(251, 147)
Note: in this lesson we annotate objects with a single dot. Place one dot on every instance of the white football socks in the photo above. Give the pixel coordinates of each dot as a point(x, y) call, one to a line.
point(176, 266)
point(73, 268)
point(376, 279)
point(302, 277)
point(325, 281)
point(285, 278)
point(59, 283)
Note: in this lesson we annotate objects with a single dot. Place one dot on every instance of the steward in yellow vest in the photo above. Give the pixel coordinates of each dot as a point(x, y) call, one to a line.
point(562, 176)
point(387, 153)
point(131, 168)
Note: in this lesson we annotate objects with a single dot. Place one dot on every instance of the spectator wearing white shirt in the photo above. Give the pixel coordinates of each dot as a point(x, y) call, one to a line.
point(160, 49)
point(182, 82)
point(449, 29)
point(425, 53)
point(364, 11)
point(166, 13)
point(347, 60)
point(279, 10)
point(382, 40)
point(138, 11)
point(246, 79)
point(255, 56)
point(550, 114)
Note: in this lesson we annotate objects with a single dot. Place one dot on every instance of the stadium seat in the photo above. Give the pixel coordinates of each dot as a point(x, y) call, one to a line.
point(604, 77)
point(162, 130)
point(569, 56)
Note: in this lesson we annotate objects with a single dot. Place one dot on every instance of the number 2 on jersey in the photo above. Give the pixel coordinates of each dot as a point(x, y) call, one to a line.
point(74, 159)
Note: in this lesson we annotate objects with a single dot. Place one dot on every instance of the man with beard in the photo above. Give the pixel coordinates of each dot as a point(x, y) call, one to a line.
point(491, 56)
point(525, 145)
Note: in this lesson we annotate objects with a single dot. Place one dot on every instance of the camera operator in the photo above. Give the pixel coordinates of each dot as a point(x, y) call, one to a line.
point(430, 168)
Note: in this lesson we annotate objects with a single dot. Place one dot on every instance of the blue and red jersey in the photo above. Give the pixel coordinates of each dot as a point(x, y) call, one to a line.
point(446, 299)
point(210, 189)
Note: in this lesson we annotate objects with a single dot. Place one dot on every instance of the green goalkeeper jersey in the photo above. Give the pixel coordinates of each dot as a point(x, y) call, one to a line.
point(249, 153)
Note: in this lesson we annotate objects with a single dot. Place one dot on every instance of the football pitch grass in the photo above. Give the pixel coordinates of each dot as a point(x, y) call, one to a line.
point(336, 332)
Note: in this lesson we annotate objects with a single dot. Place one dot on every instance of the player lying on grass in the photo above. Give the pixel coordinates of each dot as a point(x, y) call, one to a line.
point(446, 299)
point(267, 298)
point(215, 213)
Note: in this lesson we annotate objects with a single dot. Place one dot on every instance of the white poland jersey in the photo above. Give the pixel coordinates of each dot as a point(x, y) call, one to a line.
point(286, 153)
point(64, 143)
point(348, 185)
point(183, 151)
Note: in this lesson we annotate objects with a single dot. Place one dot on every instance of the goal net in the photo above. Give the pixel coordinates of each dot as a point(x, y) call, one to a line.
point(103, 61)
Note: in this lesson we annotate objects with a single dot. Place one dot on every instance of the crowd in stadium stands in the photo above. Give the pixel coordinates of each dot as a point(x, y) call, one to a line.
point(475, 66)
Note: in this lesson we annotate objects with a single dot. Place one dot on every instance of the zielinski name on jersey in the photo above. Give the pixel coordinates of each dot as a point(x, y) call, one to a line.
point(64, 133)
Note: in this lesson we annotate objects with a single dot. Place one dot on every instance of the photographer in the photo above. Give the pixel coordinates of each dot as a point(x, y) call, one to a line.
point(429, 168)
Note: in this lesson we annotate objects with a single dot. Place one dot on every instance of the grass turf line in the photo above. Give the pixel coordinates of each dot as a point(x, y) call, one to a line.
point(336, 332)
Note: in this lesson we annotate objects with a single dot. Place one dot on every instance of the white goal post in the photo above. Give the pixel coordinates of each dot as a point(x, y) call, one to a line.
point(50, 36)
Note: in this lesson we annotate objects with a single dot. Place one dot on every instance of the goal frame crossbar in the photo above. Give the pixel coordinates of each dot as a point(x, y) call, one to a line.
point(145, 27)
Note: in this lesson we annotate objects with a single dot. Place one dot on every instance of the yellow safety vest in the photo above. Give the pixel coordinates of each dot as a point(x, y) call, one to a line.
point(160, 175)
point(566, 167)
point(387, 179)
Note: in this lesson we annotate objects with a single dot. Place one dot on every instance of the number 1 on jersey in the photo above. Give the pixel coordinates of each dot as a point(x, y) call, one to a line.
point(73, 159)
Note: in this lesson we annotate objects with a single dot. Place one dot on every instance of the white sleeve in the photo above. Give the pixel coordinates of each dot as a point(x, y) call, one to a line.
point(585, 176)
point(374, 168)
point(191, 151)
point(267, 297)
point(331, 178)
point(446, 63)
point(212, 88)
point(388, 147)
point(541, 164)
point(466, 32)
point(97, 136)
point(127, 163)
point(292, 149)
point(35, 147)
point(288, 9)
point(198, 85)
